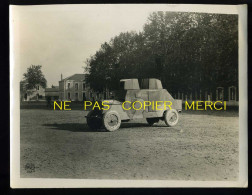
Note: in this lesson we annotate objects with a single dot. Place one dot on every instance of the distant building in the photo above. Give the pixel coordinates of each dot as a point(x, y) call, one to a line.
point(35, 94)
point(52, 93)
point(229, 94)
point(74, 88)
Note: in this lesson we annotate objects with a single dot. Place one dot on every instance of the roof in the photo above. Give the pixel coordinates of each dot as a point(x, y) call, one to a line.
point(76, 77)
point(56, 88)
point(51, 93)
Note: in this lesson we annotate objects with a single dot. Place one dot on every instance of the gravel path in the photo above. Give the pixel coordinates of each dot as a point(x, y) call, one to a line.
point(58, 144)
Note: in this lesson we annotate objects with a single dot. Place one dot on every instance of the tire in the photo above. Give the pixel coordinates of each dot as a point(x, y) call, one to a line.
point(94, 120)
point(171, 117)
point(151, 121)
point(111, 121)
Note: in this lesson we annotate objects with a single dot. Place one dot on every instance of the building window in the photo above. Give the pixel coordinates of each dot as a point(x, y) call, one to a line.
point(76, 86)
point(220, 93)
point(76, 96)
point(84, 86)
point(84, 96)
point(68, 96)
point(68, 85)
point(208, 96)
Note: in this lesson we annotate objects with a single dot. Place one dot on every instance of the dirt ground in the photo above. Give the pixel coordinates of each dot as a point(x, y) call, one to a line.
point(58, 144)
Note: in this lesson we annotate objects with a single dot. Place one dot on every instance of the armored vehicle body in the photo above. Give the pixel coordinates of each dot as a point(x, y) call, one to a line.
point(150, 101)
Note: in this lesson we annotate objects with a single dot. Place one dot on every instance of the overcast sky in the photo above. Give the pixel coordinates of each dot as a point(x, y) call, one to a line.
point(62, 37)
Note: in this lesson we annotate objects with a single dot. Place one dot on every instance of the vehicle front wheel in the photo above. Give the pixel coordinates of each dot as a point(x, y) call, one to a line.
point(151, 121)
point(111, 121)
point(171, 117)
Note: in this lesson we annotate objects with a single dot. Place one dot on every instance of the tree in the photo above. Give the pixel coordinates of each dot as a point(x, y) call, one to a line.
point(34, 76)
point(189, 52)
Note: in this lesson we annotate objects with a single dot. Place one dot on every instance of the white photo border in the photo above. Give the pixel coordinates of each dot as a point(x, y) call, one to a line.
point(17, 182)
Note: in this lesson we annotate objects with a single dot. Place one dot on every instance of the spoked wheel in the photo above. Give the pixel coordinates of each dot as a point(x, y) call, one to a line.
point(111, 121)
point(171, 117)
point(151, 121)
point(94, 120)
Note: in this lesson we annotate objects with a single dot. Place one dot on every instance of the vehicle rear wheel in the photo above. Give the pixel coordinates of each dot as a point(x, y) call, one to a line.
point(94, 120)
point(171, 117)
point(111, 121)
point(151, 121)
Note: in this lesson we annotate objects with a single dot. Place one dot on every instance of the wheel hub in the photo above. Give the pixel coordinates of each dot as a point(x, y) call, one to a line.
point(173, 118)
point(113, 120)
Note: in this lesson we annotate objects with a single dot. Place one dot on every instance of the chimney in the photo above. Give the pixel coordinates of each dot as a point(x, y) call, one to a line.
point(61, 77)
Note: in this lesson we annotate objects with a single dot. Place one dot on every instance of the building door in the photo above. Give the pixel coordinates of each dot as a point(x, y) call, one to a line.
point(76, 97)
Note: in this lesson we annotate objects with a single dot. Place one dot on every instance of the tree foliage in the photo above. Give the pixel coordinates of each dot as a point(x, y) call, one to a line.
point(34, 76)
point(187, 51)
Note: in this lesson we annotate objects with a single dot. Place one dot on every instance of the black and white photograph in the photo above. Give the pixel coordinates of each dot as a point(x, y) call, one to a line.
point(128, 95)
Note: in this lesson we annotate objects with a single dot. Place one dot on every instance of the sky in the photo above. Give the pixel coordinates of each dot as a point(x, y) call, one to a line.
point(62, 37)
